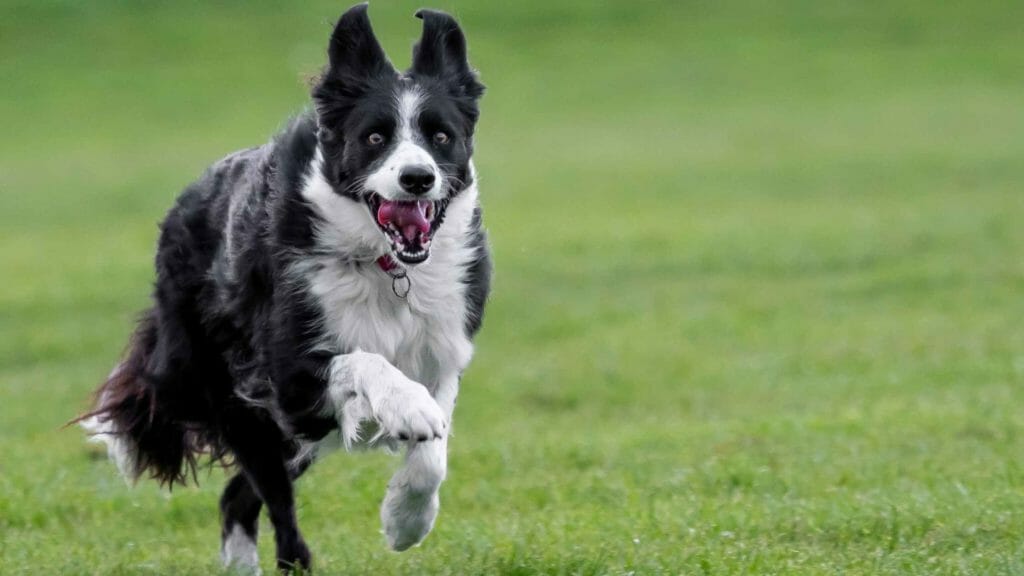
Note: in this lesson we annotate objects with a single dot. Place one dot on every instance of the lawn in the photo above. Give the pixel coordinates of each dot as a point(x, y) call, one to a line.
point(758, 305)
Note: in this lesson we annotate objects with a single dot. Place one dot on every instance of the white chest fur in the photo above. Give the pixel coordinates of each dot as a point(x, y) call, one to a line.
point(423, 335)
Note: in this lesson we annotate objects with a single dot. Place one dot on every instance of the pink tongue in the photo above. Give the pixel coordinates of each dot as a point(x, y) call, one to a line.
point(409, 217)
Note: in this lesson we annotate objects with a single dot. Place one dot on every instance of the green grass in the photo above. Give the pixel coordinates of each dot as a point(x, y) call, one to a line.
point(758, 300)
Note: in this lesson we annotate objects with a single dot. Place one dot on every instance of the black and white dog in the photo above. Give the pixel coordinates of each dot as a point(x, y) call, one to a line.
point(325, 285)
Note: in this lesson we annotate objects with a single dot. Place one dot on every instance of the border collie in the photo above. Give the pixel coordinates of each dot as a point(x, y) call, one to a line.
point(325, 286)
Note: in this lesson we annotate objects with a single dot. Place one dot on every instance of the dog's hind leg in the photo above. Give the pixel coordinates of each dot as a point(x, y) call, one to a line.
point(261, 451)
point(240, 514)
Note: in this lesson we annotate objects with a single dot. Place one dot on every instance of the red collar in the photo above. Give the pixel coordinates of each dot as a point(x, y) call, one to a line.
point(387, 263)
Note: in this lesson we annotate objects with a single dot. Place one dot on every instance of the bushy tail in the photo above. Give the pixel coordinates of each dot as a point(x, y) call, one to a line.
point(141, 436)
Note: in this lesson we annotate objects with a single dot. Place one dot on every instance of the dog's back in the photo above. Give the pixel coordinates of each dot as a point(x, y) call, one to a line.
point(158, 409)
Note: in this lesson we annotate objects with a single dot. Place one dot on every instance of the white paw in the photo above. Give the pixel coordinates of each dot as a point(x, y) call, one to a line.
point(239, 554)
point(407, 517)
point(410, 413)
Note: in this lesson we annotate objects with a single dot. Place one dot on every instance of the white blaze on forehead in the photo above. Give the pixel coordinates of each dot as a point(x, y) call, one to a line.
point(408, 109)
point(406, 152)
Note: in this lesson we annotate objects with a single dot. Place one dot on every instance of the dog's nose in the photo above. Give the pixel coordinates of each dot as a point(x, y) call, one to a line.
point(416, 179)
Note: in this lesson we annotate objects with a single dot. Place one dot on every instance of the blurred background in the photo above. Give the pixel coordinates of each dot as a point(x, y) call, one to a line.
point(758, 296)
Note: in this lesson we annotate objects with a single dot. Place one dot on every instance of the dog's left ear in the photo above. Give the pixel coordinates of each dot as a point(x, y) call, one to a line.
point(441, 53)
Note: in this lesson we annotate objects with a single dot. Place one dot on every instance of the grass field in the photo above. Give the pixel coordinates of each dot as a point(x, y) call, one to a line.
point(758, 304)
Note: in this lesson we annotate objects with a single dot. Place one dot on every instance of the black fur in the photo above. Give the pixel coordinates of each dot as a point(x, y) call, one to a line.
point(221, 363)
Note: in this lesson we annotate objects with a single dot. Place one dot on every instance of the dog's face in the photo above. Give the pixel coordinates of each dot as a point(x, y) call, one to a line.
point(399, 143)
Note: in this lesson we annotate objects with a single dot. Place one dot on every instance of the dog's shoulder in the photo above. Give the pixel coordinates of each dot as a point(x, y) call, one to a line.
point(293, 150)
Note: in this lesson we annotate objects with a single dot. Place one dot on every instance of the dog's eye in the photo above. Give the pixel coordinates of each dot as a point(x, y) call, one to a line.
point(375, 139)
point(441, 138)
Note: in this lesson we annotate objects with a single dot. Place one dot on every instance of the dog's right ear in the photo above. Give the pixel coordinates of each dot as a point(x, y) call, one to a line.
point(354, 52)
point(355, 57)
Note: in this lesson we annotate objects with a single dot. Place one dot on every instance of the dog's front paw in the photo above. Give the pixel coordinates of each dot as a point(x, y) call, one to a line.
point(410, 413)
point(407, 518)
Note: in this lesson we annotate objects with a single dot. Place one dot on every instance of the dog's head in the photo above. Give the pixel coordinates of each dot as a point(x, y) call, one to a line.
point(398, 142)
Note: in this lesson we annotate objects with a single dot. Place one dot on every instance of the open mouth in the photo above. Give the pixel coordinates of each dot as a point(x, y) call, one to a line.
point(408, 226)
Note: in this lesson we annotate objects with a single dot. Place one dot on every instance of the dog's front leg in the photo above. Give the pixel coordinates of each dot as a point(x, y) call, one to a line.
point(364, 386)
point(412, 501)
